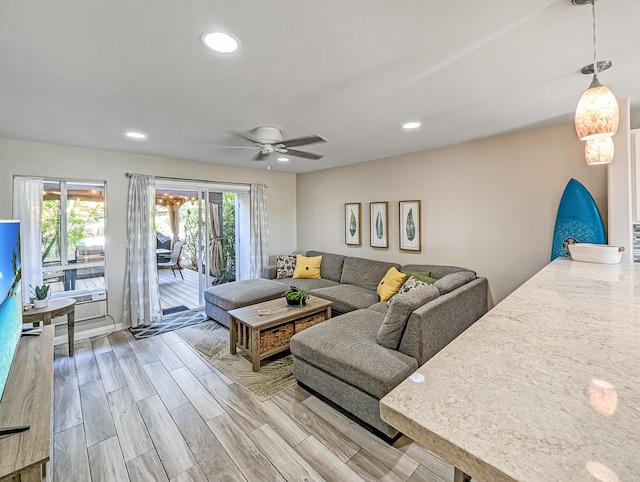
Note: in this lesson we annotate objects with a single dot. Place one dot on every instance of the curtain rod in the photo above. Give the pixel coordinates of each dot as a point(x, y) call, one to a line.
point(129, 174)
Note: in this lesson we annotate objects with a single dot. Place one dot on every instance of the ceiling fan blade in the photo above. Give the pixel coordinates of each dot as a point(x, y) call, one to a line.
point(302, 141)
point(261, 157)
point(238, 147)
point(242, 134)
point(305, 155)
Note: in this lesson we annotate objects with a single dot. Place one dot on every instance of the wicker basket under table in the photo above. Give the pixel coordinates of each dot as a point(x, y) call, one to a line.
point(266, 335)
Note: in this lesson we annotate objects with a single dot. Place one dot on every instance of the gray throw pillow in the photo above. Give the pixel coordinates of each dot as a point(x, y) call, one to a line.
point(402, 305)
point(285, 266)
point(453, 281)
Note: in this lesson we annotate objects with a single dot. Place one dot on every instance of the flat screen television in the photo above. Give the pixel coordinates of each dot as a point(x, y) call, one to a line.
point(10, 297)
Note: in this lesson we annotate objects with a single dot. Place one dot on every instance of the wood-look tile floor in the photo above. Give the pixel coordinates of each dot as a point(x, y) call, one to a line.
point(153, 410)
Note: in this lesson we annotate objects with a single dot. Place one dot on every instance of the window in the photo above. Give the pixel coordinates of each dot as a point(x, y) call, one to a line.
point(73, 235)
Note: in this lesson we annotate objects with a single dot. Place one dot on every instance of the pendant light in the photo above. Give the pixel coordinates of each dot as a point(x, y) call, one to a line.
point(597, 114)
point(599, 151)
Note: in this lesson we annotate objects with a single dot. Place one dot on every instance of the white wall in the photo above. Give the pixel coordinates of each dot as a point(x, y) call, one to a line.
point(50, 160)
point(488, 205)
point(619, 186)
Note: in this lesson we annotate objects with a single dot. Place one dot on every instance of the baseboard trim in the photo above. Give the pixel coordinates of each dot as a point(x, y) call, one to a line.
point(89, 333)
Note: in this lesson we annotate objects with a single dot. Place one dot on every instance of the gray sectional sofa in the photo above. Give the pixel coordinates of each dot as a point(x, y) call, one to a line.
point(341, 358)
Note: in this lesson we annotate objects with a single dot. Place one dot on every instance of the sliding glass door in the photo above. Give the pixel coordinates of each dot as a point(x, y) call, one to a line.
point(209, 220)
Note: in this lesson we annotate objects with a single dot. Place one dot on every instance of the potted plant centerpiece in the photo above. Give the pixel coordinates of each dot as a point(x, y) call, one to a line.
point(41, 293)
point(296, 296)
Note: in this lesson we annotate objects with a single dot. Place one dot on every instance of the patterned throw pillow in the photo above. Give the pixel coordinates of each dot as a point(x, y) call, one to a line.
point(285, 266)
point(410, 285)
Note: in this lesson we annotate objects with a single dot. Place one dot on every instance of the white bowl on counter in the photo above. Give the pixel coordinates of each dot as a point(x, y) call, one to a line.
point(596, 253)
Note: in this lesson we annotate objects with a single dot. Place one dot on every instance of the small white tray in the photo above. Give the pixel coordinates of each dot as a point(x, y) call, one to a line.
point(596, 253)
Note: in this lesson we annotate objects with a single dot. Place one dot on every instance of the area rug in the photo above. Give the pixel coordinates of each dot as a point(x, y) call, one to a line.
point(174, 309)
point(211, 340)
point(169, 323)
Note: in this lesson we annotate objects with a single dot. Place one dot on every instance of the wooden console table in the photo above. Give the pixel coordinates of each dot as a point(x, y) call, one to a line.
point(55, 308)
point(543, 387)
point(27, 401)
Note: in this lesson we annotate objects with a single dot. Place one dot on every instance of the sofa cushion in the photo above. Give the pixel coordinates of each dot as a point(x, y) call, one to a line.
point(453, 281)
point(381, 307)
point(346, 348)
point(331, 266)
point(230, 296)
point(347, 297)
point(402, 305)
point(308, 284)
point(390, 284)
point(365, 273)
point(285, 266)
point(437, 271)
point(307, 267)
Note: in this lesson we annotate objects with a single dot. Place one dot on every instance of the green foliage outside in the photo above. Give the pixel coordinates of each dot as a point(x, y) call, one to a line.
point(229, 233)
point(84, 219)
point(190, 224)
point(190, 227)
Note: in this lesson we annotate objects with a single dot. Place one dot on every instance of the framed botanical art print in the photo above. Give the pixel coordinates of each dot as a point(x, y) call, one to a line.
point(379, 216)
point(410, 226)
point(352, 223)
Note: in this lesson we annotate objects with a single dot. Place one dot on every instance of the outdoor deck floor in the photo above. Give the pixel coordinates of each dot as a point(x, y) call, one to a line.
point(174, 290)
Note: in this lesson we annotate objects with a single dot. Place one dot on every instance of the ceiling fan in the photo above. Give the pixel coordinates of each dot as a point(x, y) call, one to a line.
point(269, 140)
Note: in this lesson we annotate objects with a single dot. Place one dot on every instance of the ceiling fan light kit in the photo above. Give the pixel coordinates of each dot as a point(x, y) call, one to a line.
point(597, 115)
point(267, 135)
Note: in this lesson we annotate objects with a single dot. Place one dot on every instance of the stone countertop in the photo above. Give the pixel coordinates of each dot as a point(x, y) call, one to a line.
point(544, 387)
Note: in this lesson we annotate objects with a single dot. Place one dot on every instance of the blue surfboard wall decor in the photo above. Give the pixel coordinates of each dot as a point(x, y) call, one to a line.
point(578, 220)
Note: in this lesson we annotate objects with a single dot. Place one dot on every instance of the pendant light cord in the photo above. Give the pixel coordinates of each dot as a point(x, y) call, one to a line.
point(595, 62)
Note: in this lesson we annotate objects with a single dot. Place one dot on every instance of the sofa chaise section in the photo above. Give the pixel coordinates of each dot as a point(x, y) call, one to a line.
point(338, 360)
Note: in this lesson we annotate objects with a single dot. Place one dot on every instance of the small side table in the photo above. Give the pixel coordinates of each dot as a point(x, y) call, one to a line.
point(55, 308)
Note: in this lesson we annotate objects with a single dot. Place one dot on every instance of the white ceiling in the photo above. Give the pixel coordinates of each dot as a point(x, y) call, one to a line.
point(82, 72)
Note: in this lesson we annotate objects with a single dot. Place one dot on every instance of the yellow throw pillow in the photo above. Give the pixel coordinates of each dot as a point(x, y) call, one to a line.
point(307, 267)
point(390, 284)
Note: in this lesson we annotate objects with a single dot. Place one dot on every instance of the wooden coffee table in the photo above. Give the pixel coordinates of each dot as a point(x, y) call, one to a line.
point(264, 335)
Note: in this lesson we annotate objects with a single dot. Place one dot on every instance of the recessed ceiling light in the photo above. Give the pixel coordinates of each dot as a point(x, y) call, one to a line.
point(283, 159)
point(220, 42)
point(136, 135)
point(411, 125)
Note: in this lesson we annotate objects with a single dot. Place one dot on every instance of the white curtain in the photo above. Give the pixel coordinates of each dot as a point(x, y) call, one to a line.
point(259, 257)
point(27, 208)
point(141, 291)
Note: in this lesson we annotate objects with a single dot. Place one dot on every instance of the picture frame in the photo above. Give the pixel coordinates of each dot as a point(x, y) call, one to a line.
point(379, 224)
point(410, 225)
point(352, 221)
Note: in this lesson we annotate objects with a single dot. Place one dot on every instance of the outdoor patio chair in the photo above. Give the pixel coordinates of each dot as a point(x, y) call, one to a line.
point(174, 261)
